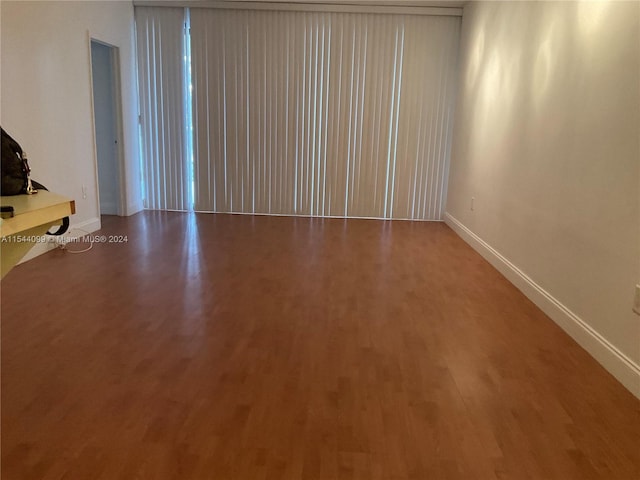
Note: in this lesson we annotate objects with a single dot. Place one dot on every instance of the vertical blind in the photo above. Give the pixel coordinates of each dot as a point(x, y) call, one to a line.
point(329, 114)
point(310, 113)
point(160, 37)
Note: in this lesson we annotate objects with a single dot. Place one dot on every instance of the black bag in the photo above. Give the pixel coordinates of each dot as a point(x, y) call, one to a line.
point(15, 168)
point(15, 173)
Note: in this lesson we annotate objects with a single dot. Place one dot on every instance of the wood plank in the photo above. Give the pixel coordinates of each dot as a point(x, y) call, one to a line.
point(34, 210)
point(33, 216)
point(237, 347)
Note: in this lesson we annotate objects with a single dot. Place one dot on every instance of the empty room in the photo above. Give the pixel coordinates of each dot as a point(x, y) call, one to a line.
point(320, 239)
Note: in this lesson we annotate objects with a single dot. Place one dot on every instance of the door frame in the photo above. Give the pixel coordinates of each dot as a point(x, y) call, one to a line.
point(121, 204)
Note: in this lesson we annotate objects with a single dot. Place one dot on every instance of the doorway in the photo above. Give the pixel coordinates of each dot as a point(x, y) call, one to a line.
point(106, 112)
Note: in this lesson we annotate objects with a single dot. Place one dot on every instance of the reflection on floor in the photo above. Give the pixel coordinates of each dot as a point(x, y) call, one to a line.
point(236, 347)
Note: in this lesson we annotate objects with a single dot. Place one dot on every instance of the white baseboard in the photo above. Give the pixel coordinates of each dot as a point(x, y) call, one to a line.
point(612, 359)
point(88, 226)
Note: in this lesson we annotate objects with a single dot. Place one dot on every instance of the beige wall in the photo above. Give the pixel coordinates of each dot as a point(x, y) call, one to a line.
point(46, 92)
point(546, 139)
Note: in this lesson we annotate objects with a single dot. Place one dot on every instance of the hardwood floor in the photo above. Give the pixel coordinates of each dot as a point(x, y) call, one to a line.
point(238, 347)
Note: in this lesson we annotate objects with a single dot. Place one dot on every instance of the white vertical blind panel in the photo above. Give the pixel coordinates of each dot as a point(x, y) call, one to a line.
point(328, 114)
point(161, 81)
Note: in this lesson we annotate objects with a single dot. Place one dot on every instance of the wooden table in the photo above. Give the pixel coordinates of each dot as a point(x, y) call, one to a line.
point(33, 216)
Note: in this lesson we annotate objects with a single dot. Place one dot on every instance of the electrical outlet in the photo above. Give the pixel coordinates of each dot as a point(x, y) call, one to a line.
point(473, 201)
point(84, 192)
point(636, 300)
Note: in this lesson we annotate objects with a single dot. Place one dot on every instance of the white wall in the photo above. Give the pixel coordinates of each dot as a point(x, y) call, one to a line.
point(546, 139)
point(46, 93)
